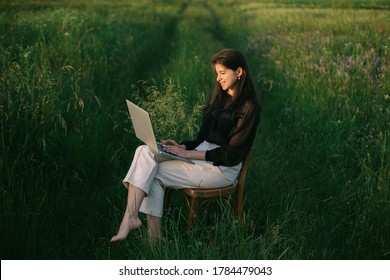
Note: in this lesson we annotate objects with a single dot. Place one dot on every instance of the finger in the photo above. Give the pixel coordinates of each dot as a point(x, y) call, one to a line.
point(171, 142)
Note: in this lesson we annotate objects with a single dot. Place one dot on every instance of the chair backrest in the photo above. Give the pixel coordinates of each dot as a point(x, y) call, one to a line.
point(242, 178)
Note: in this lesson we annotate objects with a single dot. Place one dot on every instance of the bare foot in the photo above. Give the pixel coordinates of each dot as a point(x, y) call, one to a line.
point(128, 224)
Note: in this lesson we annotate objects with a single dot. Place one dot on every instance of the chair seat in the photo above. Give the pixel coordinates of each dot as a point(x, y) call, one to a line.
point(196, 196)
point(210, 192)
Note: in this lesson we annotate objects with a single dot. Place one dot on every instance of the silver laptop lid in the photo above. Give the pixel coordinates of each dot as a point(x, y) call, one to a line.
point(142, 125)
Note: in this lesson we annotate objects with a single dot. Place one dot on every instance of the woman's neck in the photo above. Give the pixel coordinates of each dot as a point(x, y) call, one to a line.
point(231, 91)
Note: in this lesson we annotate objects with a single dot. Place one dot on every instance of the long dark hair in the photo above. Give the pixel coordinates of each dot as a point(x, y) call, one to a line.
point(232, 59)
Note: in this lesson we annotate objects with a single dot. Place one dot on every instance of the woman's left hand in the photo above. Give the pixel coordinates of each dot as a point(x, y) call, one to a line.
point(172, 147)
point(176, 150)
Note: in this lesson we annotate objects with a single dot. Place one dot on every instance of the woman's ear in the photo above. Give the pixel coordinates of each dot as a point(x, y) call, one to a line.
point(239, 72)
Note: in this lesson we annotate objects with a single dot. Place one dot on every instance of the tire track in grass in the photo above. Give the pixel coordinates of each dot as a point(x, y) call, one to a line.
point(159, 48)
point(198, 35)
point(215, 29)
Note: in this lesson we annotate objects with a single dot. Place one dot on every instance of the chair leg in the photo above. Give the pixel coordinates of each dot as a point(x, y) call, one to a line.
point(193, 209)
point(238, 205)
point(167, 197)
point(238, 210)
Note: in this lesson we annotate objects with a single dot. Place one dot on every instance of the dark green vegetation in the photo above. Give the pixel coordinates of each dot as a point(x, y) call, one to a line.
point(318, 186)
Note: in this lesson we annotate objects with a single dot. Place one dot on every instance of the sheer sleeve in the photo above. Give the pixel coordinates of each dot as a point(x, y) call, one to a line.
point(240, 138)
point(192, 144)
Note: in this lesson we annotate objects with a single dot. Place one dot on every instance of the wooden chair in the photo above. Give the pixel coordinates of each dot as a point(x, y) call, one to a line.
point(195, 197)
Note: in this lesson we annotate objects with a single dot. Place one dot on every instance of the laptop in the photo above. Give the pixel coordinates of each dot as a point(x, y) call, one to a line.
point(144, 132)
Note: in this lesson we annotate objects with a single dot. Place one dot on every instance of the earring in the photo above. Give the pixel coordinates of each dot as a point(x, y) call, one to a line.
point(239, 78)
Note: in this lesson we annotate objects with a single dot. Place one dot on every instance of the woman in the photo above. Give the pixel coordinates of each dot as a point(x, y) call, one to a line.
point(228, 128)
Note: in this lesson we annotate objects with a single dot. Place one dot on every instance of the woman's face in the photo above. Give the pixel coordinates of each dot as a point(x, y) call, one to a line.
point(226, 77)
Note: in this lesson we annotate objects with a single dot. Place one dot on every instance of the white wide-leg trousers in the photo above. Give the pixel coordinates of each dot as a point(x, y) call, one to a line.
point(152, 176)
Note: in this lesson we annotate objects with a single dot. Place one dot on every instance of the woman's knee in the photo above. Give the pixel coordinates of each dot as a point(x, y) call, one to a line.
point(145, 151)
point(142, 149)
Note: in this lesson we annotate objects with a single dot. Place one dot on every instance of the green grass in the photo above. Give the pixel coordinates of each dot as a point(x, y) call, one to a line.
point(318, 185)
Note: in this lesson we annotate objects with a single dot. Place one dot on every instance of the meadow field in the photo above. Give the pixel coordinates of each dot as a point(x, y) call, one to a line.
point(318, 183)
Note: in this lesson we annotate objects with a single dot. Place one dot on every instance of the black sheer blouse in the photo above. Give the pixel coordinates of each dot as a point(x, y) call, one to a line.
point(233, 131)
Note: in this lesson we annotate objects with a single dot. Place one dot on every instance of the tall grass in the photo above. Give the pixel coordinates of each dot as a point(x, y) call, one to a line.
point(318, 185)
point(65, 73)
point(325, 84)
